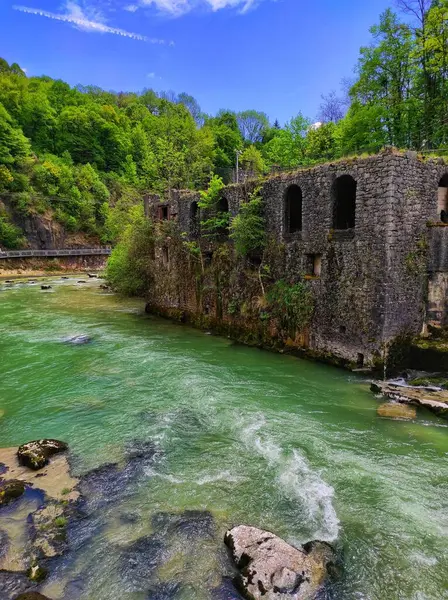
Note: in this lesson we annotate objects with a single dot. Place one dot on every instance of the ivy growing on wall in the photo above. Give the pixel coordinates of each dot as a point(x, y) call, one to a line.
point(217, 221)
point(248, 228)
point(291, 304)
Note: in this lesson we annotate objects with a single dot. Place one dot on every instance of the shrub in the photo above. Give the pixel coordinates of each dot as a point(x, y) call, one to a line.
point(10, 235)
point(292, 304)
point(248, 228)
point(128, 268)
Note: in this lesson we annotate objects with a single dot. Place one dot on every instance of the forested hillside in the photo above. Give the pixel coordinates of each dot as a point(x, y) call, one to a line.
point(85, 156)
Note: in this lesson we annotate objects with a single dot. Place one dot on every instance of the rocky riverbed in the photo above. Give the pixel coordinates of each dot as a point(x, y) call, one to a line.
point(56, 516)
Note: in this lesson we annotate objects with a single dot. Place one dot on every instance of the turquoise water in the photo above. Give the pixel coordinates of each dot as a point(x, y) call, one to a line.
point(256, 438)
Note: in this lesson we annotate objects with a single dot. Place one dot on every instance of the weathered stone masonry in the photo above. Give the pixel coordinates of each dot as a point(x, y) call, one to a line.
point(383, 278)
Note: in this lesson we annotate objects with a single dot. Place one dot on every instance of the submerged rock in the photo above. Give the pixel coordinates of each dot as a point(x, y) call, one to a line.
point(78, 339)
point(271, 569)
point(4, 543)
point(393, 410)
point(189, 524)
point(12, 584)
point(10, 490)
point(140, 560)
point(164, 591)
point(32, 596)
point(226, 591)
point(36, 454)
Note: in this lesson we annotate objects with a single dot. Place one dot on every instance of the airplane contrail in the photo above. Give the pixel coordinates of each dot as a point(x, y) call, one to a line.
point(87, 25)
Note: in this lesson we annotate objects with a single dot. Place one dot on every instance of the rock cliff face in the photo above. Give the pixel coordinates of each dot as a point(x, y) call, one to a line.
point(41, 231)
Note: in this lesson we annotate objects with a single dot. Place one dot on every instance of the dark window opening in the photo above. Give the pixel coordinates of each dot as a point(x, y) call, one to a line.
point(223, 205)
point(208, 257)
point(344, 199)
point(194, 219)
point(165, 256)
point(360, 361)
point(164, 212)
point(442, 199)
point(293, 209)
point(222, 209)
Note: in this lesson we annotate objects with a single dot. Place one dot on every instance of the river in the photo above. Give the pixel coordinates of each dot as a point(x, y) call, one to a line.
point(291, 446)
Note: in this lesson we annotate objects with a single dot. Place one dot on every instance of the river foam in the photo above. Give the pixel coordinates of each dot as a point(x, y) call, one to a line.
point(297, 480)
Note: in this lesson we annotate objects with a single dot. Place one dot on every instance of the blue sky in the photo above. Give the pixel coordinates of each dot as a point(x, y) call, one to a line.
point(277, 56)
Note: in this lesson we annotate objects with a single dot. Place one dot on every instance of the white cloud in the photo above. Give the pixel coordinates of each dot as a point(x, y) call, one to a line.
point(151, 75)
point(180, 7)
point(131, 8)
point(87, 19)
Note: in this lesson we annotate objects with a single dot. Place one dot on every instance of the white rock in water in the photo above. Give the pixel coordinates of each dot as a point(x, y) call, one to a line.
point(271, 569)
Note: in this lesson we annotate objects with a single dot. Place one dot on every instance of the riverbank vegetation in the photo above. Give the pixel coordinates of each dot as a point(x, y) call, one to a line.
point(84, 156)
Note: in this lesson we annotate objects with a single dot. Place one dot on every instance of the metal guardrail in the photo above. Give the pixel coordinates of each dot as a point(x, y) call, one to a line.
point(54, 253)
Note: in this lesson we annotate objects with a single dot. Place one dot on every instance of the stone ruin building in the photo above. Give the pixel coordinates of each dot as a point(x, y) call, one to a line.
point(369, 234)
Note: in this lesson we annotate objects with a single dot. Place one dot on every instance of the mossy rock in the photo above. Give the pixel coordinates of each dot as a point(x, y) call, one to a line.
point(394, 410)
point(36, 454)
point(10, 490)
point(37, 573)
point(441, 382)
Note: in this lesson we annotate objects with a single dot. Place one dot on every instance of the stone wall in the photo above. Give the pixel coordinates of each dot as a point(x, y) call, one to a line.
point(371, 284)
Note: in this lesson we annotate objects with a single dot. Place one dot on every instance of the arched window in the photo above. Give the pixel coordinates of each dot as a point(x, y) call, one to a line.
point(344, 202)
point(194, 218)
point(293, 209)
point(223, 205)
point(442, 199)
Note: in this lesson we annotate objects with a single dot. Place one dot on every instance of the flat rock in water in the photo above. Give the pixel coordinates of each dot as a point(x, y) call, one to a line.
point(36, 454)
point(434, 399)
point(393, 410)
point(53, 479)
point(271, 569)
point(45, 287)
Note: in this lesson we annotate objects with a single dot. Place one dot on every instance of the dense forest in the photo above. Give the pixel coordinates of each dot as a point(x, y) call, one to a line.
point(86, 156)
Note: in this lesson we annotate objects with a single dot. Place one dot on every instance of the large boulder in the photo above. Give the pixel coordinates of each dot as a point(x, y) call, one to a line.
point(36, 454)
point(271, 569)
point(10, 490)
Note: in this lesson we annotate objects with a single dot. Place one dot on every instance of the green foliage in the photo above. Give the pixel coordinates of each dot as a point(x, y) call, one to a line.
point(60, 522)
point(288, 147)
point(322, 142)
point(291, 304)
point(252, 160)
point(248, 227)
point(217, 222)
point(10, 236)
point(129, 266)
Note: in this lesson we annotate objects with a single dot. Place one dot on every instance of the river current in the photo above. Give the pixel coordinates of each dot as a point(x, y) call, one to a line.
point(254, 438)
